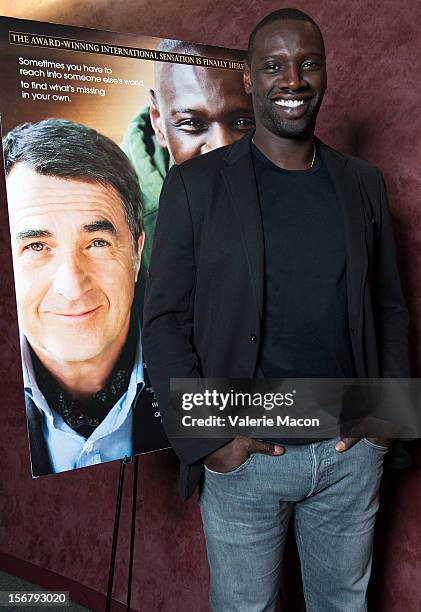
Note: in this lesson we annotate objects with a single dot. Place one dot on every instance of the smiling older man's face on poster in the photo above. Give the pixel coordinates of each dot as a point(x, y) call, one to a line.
point(75, 265)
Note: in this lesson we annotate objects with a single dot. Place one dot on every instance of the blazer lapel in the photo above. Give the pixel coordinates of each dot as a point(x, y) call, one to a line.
point(240, 180)
point(347, 187)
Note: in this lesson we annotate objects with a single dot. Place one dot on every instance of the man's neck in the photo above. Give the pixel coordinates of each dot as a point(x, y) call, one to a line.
point(81, 379)
point(287, 153)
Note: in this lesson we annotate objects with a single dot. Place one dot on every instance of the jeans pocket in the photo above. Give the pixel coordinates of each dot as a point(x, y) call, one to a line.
point(378, 447)
point(236, 470)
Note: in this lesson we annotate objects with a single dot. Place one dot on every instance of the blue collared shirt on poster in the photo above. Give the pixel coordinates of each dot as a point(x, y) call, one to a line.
point(112, 439)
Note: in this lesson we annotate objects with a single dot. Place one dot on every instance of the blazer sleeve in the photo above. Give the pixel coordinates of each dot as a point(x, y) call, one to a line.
point(167, 333)
point(391, 314)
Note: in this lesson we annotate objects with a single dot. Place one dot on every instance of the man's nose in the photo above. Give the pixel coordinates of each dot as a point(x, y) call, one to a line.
point(71, 279)
point(218, 136)
point(291, 77)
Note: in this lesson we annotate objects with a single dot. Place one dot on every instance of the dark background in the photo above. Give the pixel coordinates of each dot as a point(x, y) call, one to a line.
point(58, 529)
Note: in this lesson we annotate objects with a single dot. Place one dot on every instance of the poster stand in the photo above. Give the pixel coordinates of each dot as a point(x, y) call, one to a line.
point(120, 486)
point(132, 533)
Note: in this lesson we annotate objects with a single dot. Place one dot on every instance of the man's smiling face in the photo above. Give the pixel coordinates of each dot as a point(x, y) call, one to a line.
point(75, 264)
point(287, 77)
point(195, 109)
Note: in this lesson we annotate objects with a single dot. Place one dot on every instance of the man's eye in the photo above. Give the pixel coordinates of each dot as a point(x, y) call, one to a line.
point(273, 67)
point(310, 65)
point(244, 123)
point(191, 125)
point(99, 243)
point(35, 246)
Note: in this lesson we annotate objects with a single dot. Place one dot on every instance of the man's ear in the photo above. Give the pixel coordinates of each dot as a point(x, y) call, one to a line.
point(140, 244)
point(156, 120)
point(246, 78)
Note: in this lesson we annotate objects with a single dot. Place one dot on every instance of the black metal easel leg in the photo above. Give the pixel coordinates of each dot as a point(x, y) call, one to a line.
point(115, 533)
point(133, 529)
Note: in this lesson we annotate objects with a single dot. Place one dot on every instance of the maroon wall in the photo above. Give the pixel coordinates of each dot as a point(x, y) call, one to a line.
point(63, 523)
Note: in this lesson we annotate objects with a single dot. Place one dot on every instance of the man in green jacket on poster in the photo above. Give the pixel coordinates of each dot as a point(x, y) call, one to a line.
point(193, 110)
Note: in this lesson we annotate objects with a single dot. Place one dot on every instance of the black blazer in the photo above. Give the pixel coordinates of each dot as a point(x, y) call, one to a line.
point(204, 294)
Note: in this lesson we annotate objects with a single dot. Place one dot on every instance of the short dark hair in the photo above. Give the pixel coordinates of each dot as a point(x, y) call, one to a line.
point(279, 15)
point(169, 45)
point(57, 147)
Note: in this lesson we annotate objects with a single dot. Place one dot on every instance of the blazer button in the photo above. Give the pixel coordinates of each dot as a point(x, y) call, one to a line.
point(253, 338)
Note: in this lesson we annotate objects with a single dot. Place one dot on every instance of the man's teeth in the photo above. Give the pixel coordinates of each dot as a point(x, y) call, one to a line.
point(289, 103)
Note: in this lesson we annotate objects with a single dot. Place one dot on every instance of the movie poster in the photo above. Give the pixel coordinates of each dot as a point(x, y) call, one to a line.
point(92, 121)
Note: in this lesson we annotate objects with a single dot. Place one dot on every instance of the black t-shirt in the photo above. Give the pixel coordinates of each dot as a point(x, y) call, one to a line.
point(305, 320)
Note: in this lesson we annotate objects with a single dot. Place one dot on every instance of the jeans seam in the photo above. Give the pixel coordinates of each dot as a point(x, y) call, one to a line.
point(302, 563)
point(329, 463)
point(236, 470)
point(375, 446)
point(313, 470)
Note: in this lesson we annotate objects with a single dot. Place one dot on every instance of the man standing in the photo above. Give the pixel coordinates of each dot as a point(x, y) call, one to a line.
point(193, 110)
point(274, 257)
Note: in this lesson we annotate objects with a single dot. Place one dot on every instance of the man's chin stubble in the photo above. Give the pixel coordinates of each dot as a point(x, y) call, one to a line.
point(289, 129)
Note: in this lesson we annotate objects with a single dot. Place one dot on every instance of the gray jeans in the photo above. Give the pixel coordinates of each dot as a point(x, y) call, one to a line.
point(333, 498)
